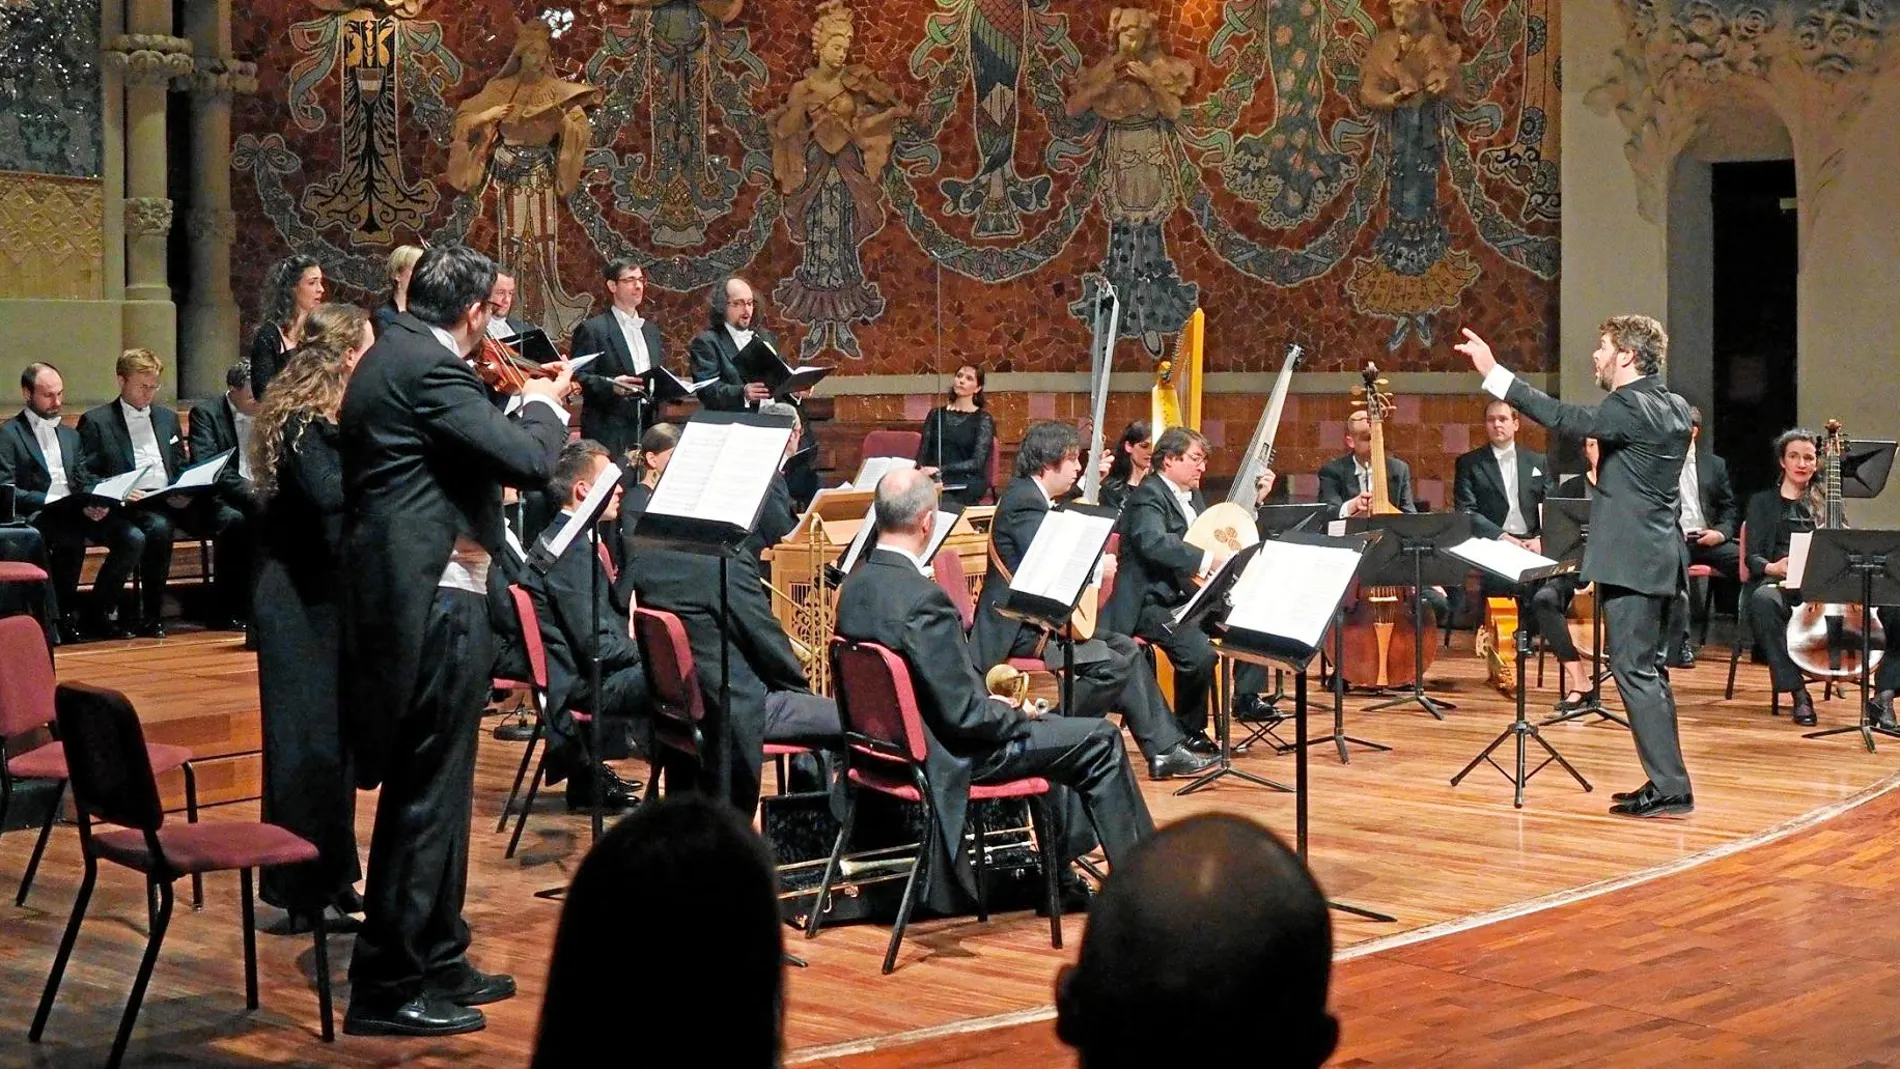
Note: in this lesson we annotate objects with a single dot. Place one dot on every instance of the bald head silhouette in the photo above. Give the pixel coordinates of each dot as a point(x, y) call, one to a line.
point(1212, 918)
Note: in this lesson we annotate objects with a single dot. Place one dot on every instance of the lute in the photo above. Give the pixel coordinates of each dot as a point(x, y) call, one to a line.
point(1230, 525)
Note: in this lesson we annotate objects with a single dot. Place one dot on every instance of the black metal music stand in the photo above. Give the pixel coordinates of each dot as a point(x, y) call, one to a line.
point(1566, 532)
point(1865, 466)
point(1274, 521)
point(1520, 728)
point(1207, 605)
point(1400, 559)
point(1863, 567)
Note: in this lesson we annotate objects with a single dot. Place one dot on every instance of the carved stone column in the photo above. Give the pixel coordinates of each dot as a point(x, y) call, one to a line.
point(209, 332)
point(151, 60)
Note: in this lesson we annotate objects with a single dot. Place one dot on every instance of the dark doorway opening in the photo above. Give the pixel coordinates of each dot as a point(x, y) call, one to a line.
point(1756, 260)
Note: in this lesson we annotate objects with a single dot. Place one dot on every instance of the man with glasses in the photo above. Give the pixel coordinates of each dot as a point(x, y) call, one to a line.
point(614, 409)
point(730, 313)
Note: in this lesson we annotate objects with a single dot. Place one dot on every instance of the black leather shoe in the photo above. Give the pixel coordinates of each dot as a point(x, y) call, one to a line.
point(152, 629)
point(1254, 709)
point(615, 793)
point(472, 987)
point(1683, 658)
point(423, 1015)
point(105, 630)
point(1179, 761)
point(348, 901)
point(1803, 711)
point(1880, 710)
point(1200, 743)
point(1651, 803)
point(335, 922)
point(1572, 702)
point(1624, 796)
point(1073, 893)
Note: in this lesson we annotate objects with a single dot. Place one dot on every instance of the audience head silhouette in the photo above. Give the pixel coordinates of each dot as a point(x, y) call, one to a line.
point(1213, 918)
point(686, 885)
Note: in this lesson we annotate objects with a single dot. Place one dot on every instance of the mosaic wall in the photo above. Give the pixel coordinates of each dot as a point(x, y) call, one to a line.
point(937, 176)
point(49, 87)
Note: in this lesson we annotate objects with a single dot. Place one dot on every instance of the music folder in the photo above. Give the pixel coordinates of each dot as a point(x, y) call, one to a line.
point(533, 344)
point(871, 469)
point(1058, 565)
point(1508, 560)
point(709, 497)
point(192, 480)
point(105, 492)
point(759, 362)
point(550, 549)
point(663, 385)
point(1286, 596)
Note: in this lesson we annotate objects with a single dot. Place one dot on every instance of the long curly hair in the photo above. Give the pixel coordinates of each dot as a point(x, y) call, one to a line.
point(310, 387)
point(278, 306)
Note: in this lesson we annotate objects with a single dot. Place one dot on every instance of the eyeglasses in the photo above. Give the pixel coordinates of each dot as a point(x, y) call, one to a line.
point(741, 302)
point(630, 278)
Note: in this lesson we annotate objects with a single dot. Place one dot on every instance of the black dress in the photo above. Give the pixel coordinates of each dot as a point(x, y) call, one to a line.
point(307, 781)
point(268, 356)
point(958, 445)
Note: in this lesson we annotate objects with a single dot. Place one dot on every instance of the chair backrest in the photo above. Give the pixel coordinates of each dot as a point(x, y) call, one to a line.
point(948, 570)
point(26, 676)
point(667, 655)
point(996, 462)
point(888, 443)
point(530, 636)
point(1741, 549)
point(876, 703)
point(106, 757)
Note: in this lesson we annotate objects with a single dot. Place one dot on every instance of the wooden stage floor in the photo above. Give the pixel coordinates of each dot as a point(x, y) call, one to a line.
point(1388, 833)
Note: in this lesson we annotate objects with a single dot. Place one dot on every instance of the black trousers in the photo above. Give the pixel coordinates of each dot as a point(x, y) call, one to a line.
point(1085, 756)
point(68, 532)
point(413, 933)
point(229, 531)
point(1550, 607)
point(1112, 674)
point(1633, 622)
point(623, 707)
point(1770, 608)
point(1192, 656)
point(1726, 558)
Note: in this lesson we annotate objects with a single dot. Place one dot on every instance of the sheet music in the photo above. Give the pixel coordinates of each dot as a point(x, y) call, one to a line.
point(198, 475)
point(1798, 543)
point(874, 468)
point(1289, 590)
point(941, 533)
point(604, 484)
point(582, 361)
point(119, 485)
point(1062, 555)
point(1499, 557)
point(720, 472)
point(860, 541)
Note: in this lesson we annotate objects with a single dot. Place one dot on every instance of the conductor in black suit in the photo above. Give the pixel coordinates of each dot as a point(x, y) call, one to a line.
point(44, 461)
point(1635, 550)
point(1501, 486)
point(424, 459)
point(1110, 672)
point(614, 407)
point(973, 737)
point(730, 311)
point(1709, 520)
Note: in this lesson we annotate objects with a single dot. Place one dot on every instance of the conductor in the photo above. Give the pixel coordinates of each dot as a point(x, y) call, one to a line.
point(1634, 553)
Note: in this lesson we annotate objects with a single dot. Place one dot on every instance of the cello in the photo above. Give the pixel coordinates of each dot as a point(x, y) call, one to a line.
point(1824, 638)
point(1378, 649)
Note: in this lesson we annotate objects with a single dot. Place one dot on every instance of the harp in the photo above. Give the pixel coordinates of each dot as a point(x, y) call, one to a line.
point(1175, 400)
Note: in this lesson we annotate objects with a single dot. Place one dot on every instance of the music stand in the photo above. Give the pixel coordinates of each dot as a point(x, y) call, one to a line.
point(1272, 521)
point(1566, 533)
point(1855, 566)
point(1399, 559)
point(1865, 466)
point(1520, 728)
point(1207, 604)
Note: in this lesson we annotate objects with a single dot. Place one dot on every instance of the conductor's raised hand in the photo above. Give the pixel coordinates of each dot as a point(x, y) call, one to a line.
point(1478, 350)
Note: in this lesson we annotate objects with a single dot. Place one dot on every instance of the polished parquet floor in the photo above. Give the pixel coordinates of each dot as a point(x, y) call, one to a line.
point(1756, 958)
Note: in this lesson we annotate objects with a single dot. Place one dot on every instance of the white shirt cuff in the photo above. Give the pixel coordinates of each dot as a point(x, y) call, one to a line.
point(1497, 381)
point(559, 412)
point(1207, 562)
point(1345, 507)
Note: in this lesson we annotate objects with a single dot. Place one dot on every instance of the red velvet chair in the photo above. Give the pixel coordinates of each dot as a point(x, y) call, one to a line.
point(113, 783)
point(26, 704)
point(537, 668)
point(28, 574)
point(888, 443)
point(947, 568)
point(885, 748)
point(672, 691)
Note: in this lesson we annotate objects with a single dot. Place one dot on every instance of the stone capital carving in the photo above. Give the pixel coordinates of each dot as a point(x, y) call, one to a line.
point(149, 60)
point(220, 77)
point(147, 216)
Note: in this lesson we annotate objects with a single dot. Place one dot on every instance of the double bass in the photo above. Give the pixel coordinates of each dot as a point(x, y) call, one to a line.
point(1378, 648)
point(1824, 638)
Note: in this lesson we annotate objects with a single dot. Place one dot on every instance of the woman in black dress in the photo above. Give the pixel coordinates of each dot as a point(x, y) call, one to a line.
point(402, 260)
point(308, 787)
point(1127, 464)
point(293, 287)
point(958, 438)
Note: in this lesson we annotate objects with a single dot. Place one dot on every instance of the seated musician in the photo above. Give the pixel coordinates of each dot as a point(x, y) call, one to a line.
point(770, 698)
point(1708, 520)
point(778, 515)
point(1501, 486)
point(1110, 672)
point(974, 737)
point(1772, 519)
point(1550, 605)
point(568, 600)
point(132, 432)
point(1346, 483)
point(644, 463)
point(1159, 569)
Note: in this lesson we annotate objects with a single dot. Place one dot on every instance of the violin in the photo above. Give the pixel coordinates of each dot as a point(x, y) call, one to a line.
point(504, 370)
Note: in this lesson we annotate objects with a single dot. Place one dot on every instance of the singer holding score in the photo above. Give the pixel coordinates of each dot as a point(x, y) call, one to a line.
point(1634, 554)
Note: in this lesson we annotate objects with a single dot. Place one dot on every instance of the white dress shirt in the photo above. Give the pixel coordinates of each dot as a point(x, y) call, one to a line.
point(1690, 516)
point(1362, 472)
point(630, 329)
point(1185, 499)
point(740, 338)
point(243, 423)
point(923, 568)
point(1506, 457)
point(46, 432)
point(499, 329)
point(145, 448)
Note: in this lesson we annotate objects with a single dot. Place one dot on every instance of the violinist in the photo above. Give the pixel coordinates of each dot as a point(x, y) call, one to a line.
point(501, 301)
point(1772, 519)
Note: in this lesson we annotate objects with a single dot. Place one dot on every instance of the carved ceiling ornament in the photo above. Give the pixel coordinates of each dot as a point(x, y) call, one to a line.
point(222, 77)
point(148, 59)
point(1813, 61)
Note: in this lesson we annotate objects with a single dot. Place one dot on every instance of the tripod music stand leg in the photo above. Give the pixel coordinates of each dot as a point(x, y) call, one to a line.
point(1522, 730)
point(1300, 744)
point(1223, 726)
point(1417, 695)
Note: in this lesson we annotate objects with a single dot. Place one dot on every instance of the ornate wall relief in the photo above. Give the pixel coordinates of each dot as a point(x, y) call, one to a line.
point(55, 244)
